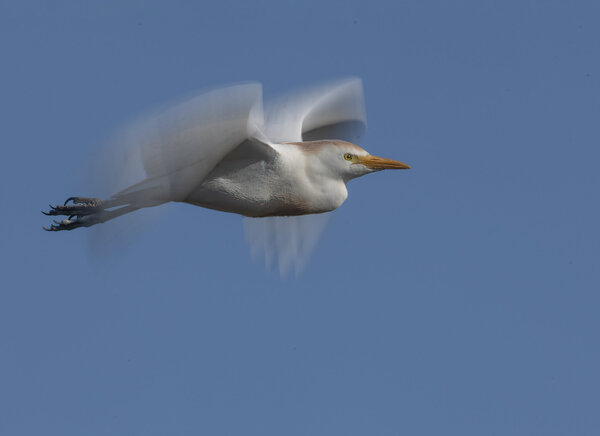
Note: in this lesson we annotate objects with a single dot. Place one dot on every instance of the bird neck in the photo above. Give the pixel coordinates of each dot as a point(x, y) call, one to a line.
point(327, 188)
point(312, 179)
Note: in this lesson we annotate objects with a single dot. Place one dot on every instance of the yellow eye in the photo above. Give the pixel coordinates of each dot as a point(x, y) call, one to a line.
point(348, 156)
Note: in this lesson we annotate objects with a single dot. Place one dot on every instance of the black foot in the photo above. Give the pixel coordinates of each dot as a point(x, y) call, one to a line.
point(84, 212)
point(70, 224)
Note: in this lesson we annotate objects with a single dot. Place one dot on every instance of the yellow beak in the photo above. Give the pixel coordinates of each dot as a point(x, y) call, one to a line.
point(381, 163)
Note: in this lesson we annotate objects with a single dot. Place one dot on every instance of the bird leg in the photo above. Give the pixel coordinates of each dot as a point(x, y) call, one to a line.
point(85, 212)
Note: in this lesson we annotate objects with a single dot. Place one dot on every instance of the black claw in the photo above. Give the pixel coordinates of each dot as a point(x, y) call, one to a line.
point(80, 212)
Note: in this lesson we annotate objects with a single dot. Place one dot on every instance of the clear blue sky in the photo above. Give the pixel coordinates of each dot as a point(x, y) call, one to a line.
point(460, 297)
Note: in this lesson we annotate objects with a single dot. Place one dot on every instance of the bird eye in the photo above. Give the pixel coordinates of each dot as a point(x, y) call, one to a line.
point(348, 156)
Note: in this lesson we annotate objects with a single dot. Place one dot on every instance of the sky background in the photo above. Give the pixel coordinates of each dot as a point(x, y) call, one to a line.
point(460, 297)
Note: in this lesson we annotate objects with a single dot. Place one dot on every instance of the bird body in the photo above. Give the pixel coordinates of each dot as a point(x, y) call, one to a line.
point(291, 180)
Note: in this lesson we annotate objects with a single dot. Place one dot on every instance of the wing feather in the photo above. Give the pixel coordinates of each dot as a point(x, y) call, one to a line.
point(335, 108)
point(179, 147)
point(285, 241)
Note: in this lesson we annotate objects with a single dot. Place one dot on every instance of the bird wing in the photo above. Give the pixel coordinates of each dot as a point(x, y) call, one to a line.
point(285, 241)
point(179, 147)
point(333, 110)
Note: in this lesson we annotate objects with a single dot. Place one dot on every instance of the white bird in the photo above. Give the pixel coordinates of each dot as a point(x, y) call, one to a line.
point(223, 150)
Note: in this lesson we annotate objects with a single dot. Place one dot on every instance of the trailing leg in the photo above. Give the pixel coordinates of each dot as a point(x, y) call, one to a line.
point(85, 212)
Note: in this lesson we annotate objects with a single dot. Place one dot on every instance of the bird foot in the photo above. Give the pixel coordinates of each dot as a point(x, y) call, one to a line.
point(70, 224)
point(83, 212)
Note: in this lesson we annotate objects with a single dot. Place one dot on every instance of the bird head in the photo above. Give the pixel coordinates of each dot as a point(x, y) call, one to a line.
point(349, 161)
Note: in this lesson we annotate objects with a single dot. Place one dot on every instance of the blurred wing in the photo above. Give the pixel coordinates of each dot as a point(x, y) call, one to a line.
point(179, 147)
point(331, 111)
point(287, 241)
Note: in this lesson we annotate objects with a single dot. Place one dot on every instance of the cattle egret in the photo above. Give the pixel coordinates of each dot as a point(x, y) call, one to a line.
point(225, 150)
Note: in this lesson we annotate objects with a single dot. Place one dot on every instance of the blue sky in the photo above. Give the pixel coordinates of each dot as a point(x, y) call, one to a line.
point(459, 297)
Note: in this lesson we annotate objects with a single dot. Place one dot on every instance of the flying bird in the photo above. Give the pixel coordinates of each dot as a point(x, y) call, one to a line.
point(226, 150)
